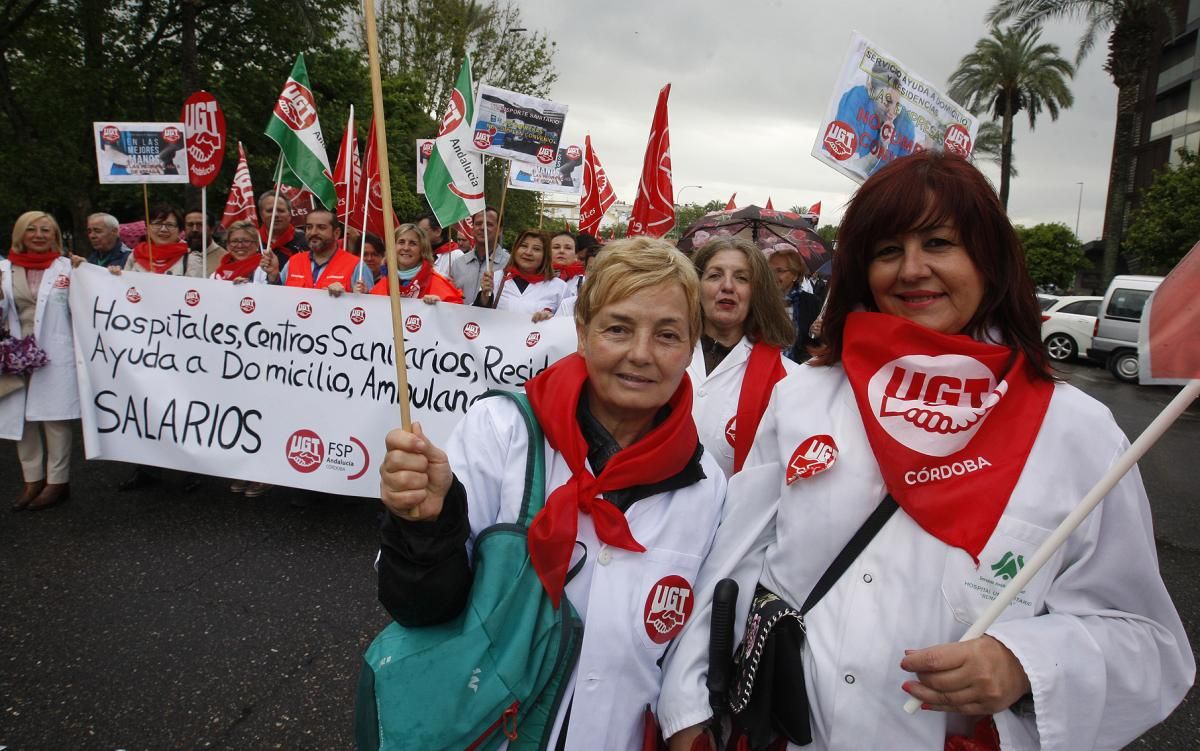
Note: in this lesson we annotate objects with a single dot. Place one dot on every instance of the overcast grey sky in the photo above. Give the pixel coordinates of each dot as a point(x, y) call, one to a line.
point(751, 81)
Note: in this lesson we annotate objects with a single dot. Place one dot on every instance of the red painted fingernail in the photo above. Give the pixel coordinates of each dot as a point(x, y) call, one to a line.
point(926, 707)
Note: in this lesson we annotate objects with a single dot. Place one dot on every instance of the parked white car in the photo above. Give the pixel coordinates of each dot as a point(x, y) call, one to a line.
point(1067, 325)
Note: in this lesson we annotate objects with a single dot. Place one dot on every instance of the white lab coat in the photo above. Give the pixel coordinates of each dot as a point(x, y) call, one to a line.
point(1095, 630)
point(617, 674)
point(537, 296)
point(53, 390)
point(443, 261)
point(715, 398)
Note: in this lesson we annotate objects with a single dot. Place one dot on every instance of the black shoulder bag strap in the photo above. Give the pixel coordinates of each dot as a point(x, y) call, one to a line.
point(850, 553)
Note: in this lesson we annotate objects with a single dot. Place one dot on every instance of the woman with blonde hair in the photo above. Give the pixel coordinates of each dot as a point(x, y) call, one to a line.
point(626, 480)
point(739, 357)
point(36, 412)
point(418, 278)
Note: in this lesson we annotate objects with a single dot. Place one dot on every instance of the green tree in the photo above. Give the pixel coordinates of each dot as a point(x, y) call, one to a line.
point(66, 63)
point(428, 38)
point(828, 232)
point(1052, 253)
point(1166, 223)
point(1131, 44)
point(687, 214)
point(1010, 71)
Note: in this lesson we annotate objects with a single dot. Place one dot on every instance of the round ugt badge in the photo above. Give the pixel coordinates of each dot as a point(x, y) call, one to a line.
point(667, 608)
point(812, 457)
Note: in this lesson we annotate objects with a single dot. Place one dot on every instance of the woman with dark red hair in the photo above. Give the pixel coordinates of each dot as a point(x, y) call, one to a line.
point(900, 480)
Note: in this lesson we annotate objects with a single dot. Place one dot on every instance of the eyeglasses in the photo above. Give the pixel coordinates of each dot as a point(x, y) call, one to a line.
point(164, 225)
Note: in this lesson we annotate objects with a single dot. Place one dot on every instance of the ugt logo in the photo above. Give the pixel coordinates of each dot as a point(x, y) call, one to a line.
point(1008, 566)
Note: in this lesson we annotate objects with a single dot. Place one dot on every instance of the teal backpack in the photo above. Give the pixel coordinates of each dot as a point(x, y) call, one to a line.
point(496, 672)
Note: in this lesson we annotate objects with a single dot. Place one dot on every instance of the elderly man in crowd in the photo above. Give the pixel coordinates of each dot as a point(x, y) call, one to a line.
point(103, 233)
point(193, 224)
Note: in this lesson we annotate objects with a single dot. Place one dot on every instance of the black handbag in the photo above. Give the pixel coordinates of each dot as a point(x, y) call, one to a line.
point(768, 698)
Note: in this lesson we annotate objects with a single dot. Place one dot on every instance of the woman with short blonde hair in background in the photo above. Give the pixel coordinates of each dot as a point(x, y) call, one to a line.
point(35, 280)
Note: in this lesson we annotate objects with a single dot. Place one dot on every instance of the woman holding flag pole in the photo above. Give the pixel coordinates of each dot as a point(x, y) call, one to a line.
point(933, 394)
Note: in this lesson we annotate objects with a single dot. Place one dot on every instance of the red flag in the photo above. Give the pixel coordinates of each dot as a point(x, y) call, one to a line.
point(815, 210)
point(241, 195)
point(730, 205)
point(654, 208)
point(769, 207)
point(1168, 346)
point(598, 194)
point(371, 191)
point(466, 233)
point(347, 175)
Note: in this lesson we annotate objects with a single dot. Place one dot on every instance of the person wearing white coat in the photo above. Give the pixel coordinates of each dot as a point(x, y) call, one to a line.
point(35, 281)
point(618, 406)
point(744, 323)
point(933, 388)
point(527, 283)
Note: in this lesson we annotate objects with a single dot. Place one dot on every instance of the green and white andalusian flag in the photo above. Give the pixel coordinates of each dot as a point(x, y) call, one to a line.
point(454, 176)
point(295, 127)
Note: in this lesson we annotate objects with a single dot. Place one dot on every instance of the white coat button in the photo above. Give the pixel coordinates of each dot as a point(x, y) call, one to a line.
point(868, 578)
point(849, 678)
point(702, 392)
point(605, 556)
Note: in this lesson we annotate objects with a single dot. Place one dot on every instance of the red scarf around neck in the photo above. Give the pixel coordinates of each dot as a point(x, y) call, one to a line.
point(418, 286)
point(763, 370)
point(447, 247)
point(569, 271)
point(658, 455)
point(165, 255)
point(950, 421)
point(513, 273)
point(230, 268)
point(279, 240)
point(39, 261)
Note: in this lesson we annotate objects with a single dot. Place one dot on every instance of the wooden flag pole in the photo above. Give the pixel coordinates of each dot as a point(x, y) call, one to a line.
point(389, 232)
point(149, 237)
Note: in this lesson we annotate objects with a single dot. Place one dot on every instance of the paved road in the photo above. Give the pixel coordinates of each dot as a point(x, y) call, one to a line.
point(166, 619)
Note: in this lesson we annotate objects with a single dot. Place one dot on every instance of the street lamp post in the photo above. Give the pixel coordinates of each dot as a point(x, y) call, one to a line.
point(1078, 208)
point(679, 195)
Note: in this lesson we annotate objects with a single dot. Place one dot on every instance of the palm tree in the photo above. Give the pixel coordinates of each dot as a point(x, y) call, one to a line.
point(1131, 44)
point(1010, 71)
point(988, 146)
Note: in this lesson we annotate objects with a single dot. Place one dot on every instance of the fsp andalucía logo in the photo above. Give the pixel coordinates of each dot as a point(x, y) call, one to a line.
point(933, 404)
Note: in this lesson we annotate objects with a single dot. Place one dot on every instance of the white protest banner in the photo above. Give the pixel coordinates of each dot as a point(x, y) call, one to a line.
point(515, 126)
point(137, 153)
point(424, 151)
point(881, 110)
point(281, 385)
point(563, 175)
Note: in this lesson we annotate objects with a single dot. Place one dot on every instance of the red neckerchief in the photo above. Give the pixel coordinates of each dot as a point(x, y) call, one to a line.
point(39, 261)
point(763, 370)
point(514, 272)
point(446, 247)
point(278, 241)
point(569, 271)
point(661, 453)
point(419, 284)
point(950, 420)
point(166, 255)
point(230, 268)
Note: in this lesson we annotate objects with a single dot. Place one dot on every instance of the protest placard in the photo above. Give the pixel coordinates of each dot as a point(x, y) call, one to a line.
point(137, 153)
point(281, 385)
point(563, 175)
point(880, 110)
point(424, 151)
point(515, 126)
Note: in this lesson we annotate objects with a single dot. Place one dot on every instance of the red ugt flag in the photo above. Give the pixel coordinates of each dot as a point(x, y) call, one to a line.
point(730, 205)
point(241, 195)
point(372, 192)
point(1168, 346)
point(597, 192)
point(654, 208)
point(347, 176)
